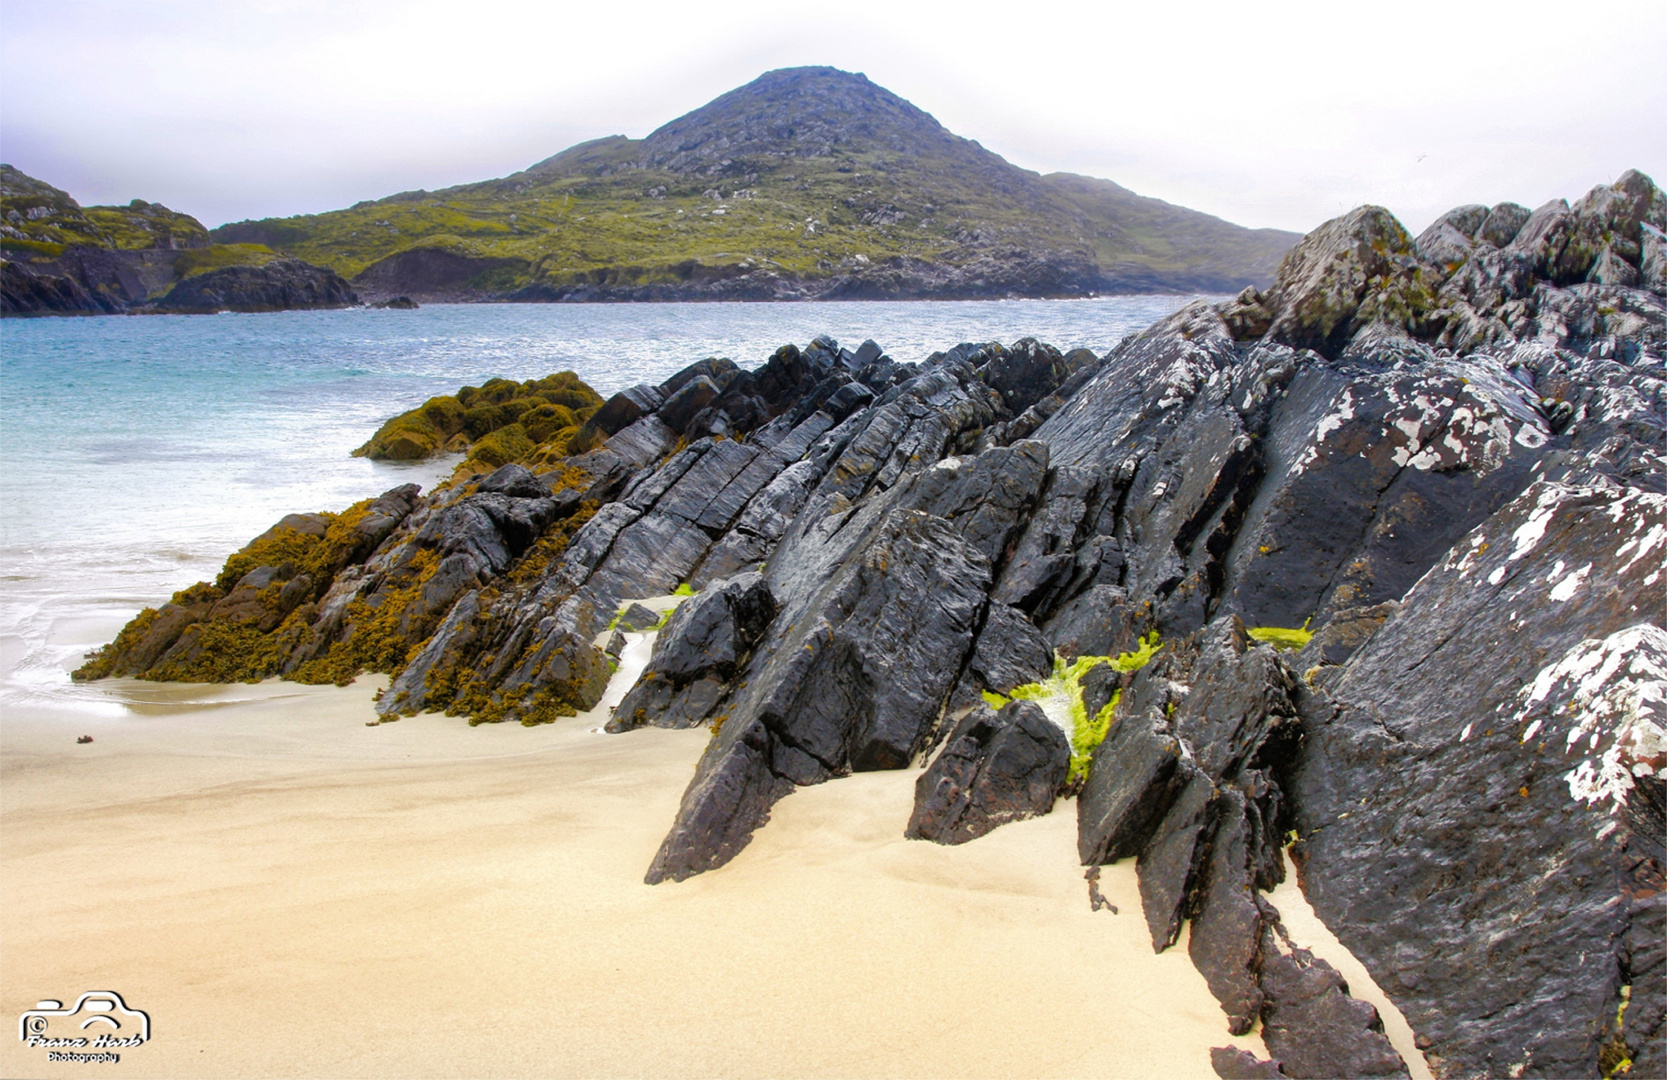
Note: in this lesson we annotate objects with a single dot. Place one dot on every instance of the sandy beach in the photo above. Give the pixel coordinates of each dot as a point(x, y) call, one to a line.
point(289, 892)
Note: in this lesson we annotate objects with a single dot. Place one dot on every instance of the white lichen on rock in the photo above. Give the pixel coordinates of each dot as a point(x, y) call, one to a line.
point(1532, 531)
point(1563, 589)
point(1334, 419)
point(1611, 695)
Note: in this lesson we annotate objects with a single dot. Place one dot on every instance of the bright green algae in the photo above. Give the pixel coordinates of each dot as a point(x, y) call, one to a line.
point(1063, 692)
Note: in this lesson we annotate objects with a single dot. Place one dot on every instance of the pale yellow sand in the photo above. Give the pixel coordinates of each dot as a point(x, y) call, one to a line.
point(290, 892)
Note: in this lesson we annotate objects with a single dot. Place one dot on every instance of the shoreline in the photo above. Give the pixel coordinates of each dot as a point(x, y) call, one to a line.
point(385, 900)
point(426, 898)
point(603, 301)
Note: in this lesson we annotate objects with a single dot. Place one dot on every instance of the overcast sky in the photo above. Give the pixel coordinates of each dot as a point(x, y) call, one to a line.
point(1265, 113)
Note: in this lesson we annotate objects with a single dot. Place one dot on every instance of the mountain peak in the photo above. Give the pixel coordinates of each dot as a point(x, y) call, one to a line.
point(794, 112)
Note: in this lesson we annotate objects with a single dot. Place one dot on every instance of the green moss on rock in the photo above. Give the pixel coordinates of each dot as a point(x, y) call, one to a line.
point(1062, 693)
point(1283, 637)
point(219, 651)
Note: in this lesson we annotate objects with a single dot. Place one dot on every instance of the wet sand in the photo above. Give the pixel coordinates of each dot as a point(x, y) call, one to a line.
point(289, 892)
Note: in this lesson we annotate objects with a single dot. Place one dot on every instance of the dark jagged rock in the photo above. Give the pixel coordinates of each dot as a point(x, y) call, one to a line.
point(1024, 374)
point(1101, 684)
point(637, 618)
point(1502, 224)
point(1342, 634)
point(450, 642)
point(1642, 1029)
point(618, 413)
point(686, 401)
point(24, 291)
point(1311, 1025)
point(1231, 1063)
point(1240, 699)
point(1043, 559)
point(867, 353)
point(487, 531)
point(995, 768)
point(1451, 238)
point(1226, 938)
point(1186, 780)
point(1390, 472)
point(516, 481)
point(1350, 272)
point(720, 371)
point(1170, 746)
point(1170, 862)
point(1131, 784)
point(1518, 793)
point(760, 526)
point(280, 285)
point(853, 679)
point(987, 496)
point(1010, 651)
point(705, 643)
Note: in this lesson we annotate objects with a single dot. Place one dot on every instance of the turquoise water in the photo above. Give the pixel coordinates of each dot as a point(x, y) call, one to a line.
point(137, 453)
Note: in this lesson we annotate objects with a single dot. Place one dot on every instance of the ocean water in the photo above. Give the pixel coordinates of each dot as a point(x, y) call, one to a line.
point(137, 453)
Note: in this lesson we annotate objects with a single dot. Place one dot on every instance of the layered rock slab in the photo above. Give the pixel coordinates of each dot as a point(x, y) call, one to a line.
point(994, 768)
point(704, 643)
point(855, 680)
point(1537, 790)
point(1185, 782)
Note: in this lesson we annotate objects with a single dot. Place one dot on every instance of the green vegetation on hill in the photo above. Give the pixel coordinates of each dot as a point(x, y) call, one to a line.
point(806, 174)
point(37, 217)
point(219, 256)
point(1132, 234)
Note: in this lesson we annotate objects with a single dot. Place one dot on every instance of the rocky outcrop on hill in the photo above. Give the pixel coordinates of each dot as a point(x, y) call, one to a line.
point(280, 285)
point(59, 258)
point(1366, 570)
point(25, 291)
point(433, 274)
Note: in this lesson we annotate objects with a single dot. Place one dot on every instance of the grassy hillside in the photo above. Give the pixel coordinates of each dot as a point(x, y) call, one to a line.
point(806, 174)
point(1134, 236)
point(38, 218)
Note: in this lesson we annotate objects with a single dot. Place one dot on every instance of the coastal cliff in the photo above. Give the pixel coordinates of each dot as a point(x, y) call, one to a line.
point(60, 258)
point(1366, 567)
